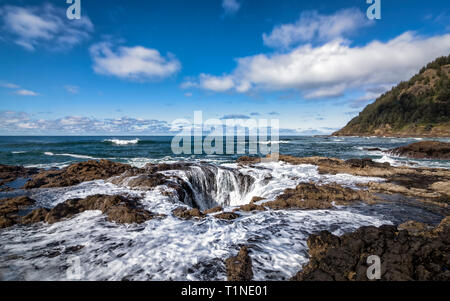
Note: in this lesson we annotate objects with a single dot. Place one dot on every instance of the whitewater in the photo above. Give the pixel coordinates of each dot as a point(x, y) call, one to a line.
point(173, 249)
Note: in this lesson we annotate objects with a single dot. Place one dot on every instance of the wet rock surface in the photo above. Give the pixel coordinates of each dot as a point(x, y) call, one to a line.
point(430, 186)
point(414, 254)
point(251, 207)
point(10, 173)
point(185, 213)
point(117, 208)
point(213, 210)
point(227, 216)
point(9, 210)
point(312, 196)
point(239, 268)
point(77, 173)
point(423, 150)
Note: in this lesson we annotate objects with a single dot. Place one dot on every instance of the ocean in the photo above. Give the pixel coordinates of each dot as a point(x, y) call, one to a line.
point(50, 152)
point(88, 247)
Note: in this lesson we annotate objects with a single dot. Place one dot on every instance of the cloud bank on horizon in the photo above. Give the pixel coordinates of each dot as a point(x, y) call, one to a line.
point(316, 56)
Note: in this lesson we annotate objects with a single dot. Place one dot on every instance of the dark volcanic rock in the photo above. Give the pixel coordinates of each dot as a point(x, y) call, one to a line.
point(251, 207)
point(147, 181)
point(118, 209)
point(9, 209)
point(312, 196)
point(239, 268)
point(36, 216)
point(256, 199)
point(365, 163)
point(10, 173)
point(184, 213)
point(227, 216)
point(77, 173)
point(246, 160)
point(424, 150)
point(213, 210)
point(404, 256)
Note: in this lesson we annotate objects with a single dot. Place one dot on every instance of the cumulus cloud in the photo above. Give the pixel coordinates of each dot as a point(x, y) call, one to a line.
point(314, 26)
point(231, 6)
point(327, 92)
point(20, 122)
point(210, 82)
point(18, 90)
point(332, 68)
point(135, 63)
point(44, 25)
point(24, 92)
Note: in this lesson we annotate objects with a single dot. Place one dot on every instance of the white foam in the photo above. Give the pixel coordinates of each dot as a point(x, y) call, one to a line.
point(389, 160)
point(49, 165)
point(275, 142)
point(71, 155)
point(169, 248)
point(122, 142)
point(174, 249)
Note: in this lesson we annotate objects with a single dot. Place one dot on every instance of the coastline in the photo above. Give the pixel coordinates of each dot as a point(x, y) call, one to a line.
point(420, 187)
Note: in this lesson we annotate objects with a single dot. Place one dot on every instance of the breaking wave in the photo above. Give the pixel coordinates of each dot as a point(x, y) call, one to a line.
point(122, 142)
point(71, 155)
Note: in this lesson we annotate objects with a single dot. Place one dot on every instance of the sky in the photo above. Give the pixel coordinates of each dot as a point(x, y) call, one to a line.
point(136, 67)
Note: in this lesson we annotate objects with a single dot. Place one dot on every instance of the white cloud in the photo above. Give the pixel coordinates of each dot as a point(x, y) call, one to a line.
point(231, 6)
point(72, 89)
point(44, 25)
point(136, 63)
point(332, 68)
point(314, 26)
point(23, 92)
point(10, 86)
point(326, 92)
point(20, 122)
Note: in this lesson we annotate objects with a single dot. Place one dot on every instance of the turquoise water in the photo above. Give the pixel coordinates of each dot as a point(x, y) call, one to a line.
point(47, 152)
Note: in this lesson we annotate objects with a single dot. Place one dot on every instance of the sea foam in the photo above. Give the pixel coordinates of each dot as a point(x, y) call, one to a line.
point(122, 142)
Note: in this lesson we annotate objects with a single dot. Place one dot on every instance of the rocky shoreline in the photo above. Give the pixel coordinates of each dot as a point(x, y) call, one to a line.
point(331, 257)
point(423, 150)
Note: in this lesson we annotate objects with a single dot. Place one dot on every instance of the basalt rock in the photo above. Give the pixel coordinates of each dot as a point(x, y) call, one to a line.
point(117, 208)
point(213, 210)
point(246, 160)
point(365, 163)
point(185, 213)
point(430, 186)
point(149, 181)
point(372, 149)
point(227, 216)
point(35, 216)
point(421, 255)
point(10, 173)
point(424, 150)
point(239, 268)
point(9, 210)
point(251, 207)
point(312, 196)
point(256, 199)
point(78, 173)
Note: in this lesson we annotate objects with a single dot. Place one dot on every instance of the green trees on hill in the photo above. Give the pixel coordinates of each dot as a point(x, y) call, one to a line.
point(424, 100)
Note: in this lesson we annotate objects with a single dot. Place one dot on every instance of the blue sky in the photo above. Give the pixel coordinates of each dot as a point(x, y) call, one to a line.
point(133, 67)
